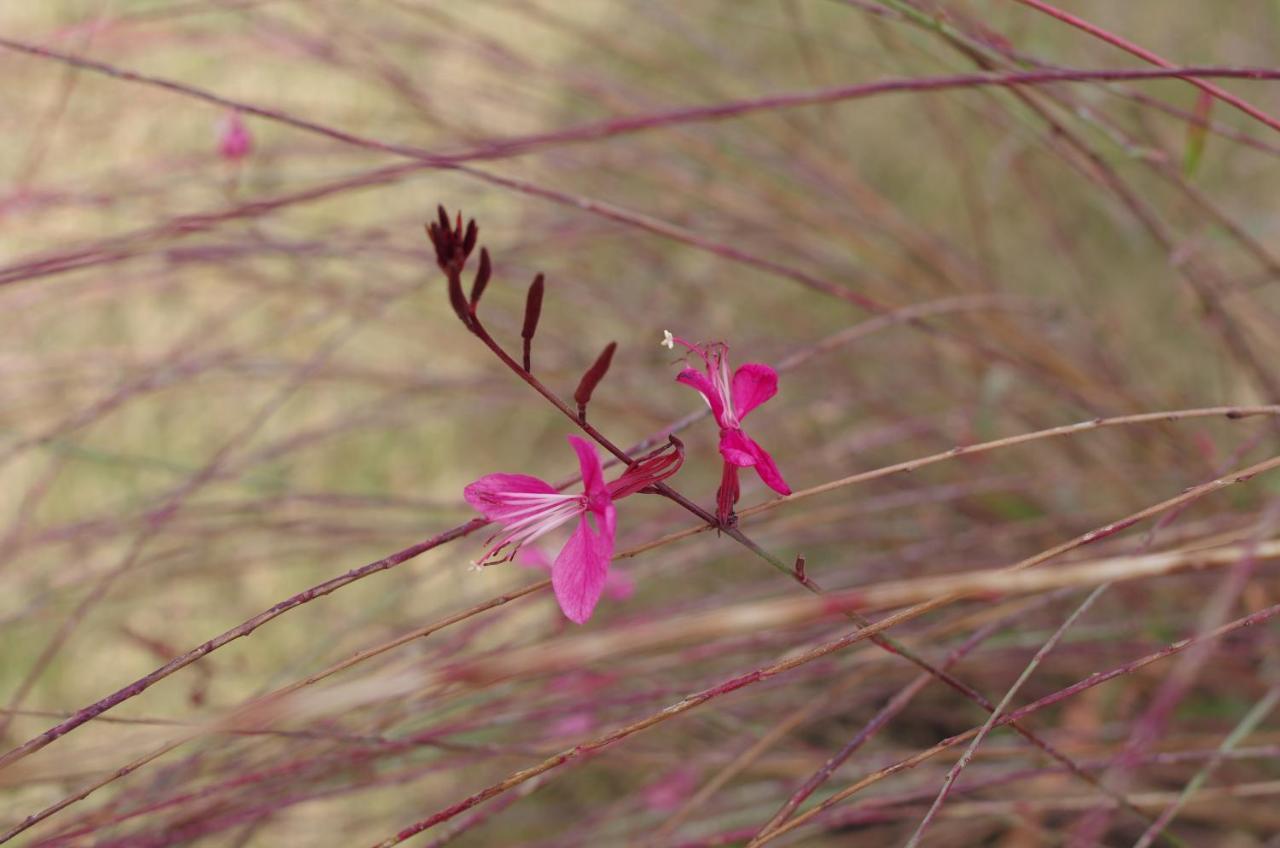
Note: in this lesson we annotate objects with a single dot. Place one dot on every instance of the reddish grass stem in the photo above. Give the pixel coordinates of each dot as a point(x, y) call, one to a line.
point(1148, 56)
point(140, 685)
point(506, 148)
point(1095, 679)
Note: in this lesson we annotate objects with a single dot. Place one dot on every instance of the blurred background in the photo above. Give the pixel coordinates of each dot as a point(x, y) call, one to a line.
point(229, 372)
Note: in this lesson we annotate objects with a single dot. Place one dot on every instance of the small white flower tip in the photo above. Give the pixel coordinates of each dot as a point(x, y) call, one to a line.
point(668, 340)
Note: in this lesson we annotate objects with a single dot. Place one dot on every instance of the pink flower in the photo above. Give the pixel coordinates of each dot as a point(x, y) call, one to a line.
point(575, 724)
point(730, 400)
point(234, 141)
point(529, 508)
point(671, 790)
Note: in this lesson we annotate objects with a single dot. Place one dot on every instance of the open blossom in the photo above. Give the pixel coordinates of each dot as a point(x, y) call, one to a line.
point(529, 508)
point(234, 141)
point(730, 399)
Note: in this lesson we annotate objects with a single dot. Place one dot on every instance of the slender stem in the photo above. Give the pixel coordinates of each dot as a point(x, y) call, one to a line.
point(794, 661)
point(967, 756)
point(506, 148)
point(1230, 412)
point(1252, 719)
point(241, 630)
point(893, 707)
point(193, 731)
point(1096, 679)
point(1148, 56)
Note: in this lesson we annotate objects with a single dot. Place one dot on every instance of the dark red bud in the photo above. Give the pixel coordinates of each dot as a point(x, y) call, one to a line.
point(434, 235)
point(469, 240)
point(482, 278)
point(532, 312)
point(592, 378)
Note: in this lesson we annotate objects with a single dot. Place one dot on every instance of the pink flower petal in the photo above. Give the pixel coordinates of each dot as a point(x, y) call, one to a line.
point(618, 585)
point(741, 450)
point(579, 573)
point(753, 384)
point(737, 449)
point(589, 462)
point(489, 494)
point(700, 381)
point(768, 470)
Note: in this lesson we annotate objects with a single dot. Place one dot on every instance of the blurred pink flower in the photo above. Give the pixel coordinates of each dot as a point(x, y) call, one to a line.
point(575, 724)
point(529, 508)
point(671, 790)
point(730, 400)
point(234, 140)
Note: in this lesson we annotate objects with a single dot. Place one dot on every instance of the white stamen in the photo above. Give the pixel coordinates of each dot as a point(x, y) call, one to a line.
point(540, 495)
point(554, 516)
point(533, 521)
point(718, 371)
point(668, 340)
